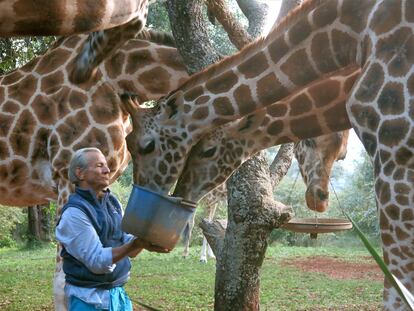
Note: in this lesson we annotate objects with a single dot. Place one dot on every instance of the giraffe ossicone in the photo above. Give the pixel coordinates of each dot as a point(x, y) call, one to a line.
point(319, 38)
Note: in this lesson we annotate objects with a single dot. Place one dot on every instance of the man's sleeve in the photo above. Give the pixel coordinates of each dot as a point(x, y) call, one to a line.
point(77, 234)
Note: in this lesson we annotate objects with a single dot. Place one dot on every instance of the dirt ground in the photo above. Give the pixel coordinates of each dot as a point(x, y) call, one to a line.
point(337, 268)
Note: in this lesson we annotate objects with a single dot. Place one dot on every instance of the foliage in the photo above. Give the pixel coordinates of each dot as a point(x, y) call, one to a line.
point(121, 192)
point(15, 52)
point(358, 197)
point(158, 19)
point(126, 179)
point(168, 282)
point(10, 218)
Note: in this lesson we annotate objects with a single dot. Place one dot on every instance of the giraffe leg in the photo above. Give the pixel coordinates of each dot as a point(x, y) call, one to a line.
point(210, 252)
point(59, 283)
point(99, 46)
point(59, 276)
point(203, 253)
point(187, 236)
point(212, 212)
point(396, 218)
point(205, 248)
point(388, 141)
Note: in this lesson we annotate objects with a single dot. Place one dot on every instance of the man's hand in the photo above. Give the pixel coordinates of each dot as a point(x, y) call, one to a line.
point(140, 244)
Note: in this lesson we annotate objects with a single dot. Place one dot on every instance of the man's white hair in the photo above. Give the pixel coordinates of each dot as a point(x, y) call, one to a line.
point(79, 160)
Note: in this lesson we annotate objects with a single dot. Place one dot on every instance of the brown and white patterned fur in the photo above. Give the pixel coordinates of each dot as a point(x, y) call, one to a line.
point(112, 23)
point(227, 147)
point(316, 157)
point(63, 18)
point(45, 118)
point(319, 38)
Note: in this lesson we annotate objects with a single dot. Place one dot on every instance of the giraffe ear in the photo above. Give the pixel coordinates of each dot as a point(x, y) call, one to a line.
point(129, 103)
point(173, 105)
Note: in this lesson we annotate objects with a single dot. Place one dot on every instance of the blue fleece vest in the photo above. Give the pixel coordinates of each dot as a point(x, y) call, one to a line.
point(106, 218)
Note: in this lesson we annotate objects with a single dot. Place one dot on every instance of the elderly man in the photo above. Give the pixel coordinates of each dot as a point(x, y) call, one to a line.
point(95, 250)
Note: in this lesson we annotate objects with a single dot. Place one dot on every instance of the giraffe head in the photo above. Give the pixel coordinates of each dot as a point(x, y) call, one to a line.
point(156, 142)
point(316, 157)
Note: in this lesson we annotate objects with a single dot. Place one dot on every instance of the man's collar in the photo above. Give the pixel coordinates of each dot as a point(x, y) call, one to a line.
point(90, 195)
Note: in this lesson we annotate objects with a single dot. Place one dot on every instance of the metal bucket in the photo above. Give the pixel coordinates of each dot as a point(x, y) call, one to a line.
point(156, 218)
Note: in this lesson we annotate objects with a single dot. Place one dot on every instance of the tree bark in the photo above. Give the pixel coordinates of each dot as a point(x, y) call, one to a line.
point(236, 32)
point(256, 14)
point(189, 30)
point(281, 163)
point(39, 222)
point(252, 215)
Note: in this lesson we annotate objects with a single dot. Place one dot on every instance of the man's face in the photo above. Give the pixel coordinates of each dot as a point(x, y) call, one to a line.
point(96, 175)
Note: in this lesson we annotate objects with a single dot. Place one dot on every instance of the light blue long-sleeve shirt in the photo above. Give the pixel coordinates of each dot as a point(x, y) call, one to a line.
point(77, 234)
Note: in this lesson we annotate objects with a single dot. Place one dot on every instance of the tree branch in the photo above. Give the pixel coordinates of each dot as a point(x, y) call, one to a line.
point(281, 164)
point(236, 32)
point(256, 14)
point(189, 30)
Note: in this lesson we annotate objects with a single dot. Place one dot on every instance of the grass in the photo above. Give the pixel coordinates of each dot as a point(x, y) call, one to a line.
point(168, 282)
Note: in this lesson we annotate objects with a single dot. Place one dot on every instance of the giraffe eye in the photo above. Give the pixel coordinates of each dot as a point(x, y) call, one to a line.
point(209, 152)
point(148, 148)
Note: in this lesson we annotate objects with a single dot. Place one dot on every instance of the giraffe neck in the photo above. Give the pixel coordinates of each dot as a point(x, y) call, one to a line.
point(279, 123)
point(270, 69)
point(26, 17)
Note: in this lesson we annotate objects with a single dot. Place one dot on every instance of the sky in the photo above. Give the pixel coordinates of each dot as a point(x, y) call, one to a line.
point(355, 146)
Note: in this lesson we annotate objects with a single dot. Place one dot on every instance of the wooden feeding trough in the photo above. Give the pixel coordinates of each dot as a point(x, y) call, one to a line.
point(313, 226)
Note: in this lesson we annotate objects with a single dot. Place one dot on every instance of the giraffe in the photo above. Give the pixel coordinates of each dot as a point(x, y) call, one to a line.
point(316, 157)
point(111, 22)
point(225, 148)
point(63, 18)
point(319, 38)
point(325, 149)
point(45, 118)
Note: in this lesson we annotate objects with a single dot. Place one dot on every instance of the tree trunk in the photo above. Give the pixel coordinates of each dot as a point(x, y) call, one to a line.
point(189, 30)
point(281, 163)
point(256, 14)
point(253, 214)
point(236, 32)
point(39, 223)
